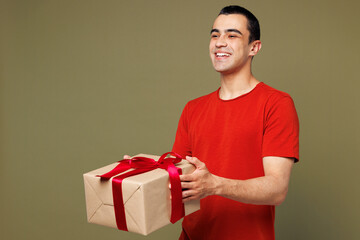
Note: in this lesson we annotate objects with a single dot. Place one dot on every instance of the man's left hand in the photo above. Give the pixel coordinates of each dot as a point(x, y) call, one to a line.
point(199, 184)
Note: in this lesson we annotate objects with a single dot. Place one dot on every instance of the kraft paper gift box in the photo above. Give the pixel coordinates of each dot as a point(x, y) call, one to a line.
point(146, 198)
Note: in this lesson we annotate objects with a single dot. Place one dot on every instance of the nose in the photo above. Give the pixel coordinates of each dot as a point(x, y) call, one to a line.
point(221, 42)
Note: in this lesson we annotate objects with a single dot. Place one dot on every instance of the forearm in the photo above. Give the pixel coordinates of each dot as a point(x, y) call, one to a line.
point(271, 189)
point(266, 190)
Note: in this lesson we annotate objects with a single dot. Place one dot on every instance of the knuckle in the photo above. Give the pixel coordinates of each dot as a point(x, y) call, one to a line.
point(184, 177)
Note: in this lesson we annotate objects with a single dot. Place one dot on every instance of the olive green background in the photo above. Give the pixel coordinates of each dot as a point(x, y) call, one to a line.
point(85, 82)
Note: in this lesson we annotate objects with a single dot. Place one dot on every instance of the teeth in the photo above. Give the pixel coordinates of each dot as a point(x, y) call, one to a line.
point(222, 54)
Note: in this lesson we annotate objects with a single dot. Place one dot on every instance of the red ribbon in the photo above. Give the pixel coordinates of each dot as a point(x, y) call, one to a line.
point(141, 165)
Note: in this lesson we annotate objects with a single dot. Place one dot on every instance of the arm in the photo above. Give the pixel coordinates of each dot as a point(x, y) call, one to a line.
point(270, 189)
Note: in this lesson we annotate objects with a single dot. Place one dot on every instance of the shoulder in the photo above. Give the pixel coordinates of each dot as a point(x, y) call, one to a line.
point(273, 93)
point(202, 101)
point(278, 104)
point(274, 96)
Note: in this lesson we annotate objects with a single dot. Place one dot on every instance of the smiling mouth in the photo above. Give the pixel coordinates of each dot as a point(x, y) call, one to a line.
point(222, 54)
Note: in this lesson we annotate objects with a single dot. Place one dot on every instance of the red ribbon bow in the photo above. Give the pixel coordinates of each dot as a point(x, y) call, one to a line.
point(141, 165)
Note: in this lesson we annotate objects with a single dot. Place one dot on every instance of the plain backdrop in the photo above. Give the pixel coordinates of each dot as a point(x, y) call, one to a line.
point(84, 82)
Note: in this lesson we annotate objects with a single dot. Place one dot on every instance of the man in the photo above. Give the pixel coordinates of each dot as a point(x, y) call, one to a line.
point(242, 139)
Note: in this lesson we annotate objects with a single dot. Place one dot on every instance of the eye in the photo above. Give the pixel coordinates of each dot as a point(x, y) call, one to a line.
point(232, 36)
point(214, 36)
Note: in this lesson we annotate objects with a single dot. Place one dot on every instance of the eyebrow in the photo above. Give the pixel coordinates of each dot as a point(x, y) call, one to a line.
point(227, 31)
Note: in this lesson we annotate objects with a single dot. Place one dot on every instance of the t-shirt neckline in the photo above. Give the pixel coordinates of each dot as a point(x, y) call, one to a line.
point(241, 96)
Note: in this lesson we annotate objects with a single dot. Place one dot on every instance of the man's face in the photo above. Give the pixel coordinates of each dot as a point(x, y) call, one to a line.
point(229, 44)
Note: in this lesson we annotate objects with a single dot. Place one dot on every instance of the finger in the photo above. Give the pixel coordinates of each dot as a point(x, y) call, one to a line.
point(186, 178)
point(169, 185)
point(188, 193)
point(195, 161)
point(127, 157)
point(189, 199)
point(186, 185)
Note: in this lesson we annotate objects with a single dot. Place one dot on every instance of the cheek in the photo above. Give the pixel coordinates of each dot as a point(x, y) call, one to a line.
point(211, 46)
point(211, 50)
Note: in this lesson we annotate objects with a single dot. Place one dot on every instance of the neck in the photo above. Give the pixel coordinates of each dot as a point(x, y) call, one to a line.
point(236, 84)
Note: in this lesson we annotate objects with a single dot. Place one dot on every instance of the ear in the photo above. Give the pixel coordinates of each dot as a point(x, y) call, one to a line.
point(255, 48)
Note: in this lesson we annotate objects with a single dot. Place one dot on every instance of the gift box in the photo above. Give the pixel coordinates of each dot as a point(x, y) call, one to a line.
point(146, 198)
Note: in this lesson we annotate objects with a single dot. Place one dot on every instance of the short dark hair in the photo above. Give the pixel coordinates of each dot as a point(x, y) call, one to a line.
point(253, 24)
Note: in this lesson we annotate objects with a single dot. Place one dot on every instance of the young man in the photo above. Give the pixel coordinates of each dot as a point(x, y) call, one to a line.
point(242, 138)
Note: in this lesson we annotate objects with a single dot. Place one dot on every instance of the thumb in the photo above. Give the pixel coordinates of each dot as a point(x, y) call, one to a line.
point(193, 160)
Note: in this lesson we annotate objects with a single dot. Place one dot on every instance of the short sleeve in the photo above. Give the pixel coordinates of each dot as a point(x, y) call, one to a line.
point(281, 128)
point(182, 144)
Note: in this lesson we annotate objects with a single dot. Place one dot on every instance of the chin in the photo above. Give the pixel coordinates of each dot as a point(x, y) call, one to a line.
point(222, 70)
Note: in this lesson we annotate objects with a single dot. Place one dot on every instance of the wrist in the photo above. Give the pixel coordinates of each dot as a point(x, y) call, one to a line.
point(217, 185)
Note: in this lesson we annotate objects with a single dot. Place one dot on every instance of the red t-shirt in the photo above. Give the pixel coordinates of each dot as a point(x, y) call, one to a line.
point(232, 137)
